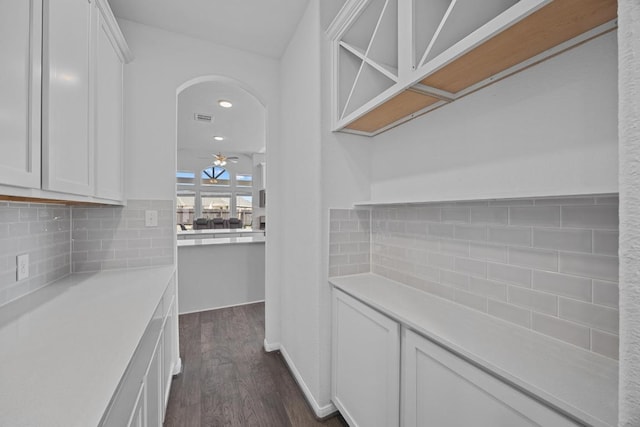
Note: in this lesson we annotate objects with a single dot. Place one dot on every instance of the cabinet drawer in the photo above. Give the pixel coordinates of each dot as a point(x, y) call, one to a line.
point(441, 389)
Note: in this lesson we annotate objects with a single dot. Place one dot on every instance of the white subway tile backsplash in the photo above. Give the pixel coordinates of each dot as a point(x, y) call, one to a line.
point(539, 216)
point(594, 316)
point(562, 239)
point(562, 284)
point(510, 235)
point(534, 258)
point(598, 217)
point(471, 267)
point(509, 274)
point(494, 290)
point(561, 329)
point(42, 231)
point(455, 247)
point(595, 266)
point(510, 313)
point(490, 215)
point(605, 344)
point(349, 242)
point(536, 301)
point(455, 214)
point(471, 300)
point(605, 242)
point(488, 251)
point(549, 264)
point(470, 232)
point(441, 230)
point(605, 293)
point(114, 237)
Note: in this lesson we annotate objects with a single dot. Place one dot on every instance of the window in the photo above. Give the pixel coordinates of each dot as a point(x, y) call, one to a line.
point(185, 209)
point(215, 175)
point(243, 180)
point(185, 178)
point(244, 203)
point(216, 205)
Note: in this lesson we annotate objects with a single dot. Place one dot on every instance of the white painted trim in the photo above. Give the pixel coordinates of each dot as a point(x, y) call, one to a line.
point(218, 308)
point(320, 411)
point(112, 24)
point(344, 18)
point(269, 347)
point(177, 367)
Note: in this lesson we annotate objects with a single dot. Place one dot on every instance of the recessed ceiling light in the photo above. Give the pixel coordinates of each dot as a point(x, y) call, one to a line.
point(225, 104)
point(218, 138)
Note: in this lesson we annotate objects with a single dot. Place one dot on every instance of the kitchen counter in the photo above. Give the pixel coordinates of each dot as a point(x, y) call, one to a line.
point(218, 232)
point(65, 347)
point(221, 241)
point(577, 382)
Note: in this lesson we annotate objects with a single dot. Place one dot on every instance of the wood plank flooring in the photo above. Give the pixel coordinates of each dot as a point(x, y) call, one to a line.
point(229, 380)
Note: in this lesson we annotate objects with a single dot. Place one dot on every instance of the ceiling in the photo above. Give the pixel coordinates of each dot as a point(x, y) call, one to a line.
point(242, 126)
point(259, 26)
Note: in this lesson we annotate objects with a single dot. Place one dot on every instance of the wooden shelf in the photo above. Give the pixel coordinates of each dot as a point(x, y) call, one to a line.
point(532, 38)
point(559, 21)
point(401, 105)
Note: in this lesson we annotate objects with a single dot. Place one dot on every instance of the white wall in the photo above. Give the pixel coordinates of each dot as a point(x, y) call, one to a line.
point(549, 130)
point(320, 170)
point(629, 87)
point(163, 62)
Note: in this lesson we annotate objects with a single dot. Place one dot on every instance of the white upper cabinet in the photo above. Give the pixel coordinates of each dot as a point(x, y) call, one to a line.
point(396, 59)
point(108, 111)
point(67, 119)
point(20, 49)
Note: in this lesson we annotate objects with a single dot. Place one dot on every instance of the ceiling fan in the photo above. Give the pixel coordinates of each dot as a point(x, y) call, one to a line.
point(221, 160)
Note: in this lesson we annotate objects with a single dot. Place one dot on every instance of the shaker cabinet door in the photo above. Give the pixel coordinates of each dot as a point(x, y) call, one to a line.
point(365, 364)
point(67, 119)
point(108, 116)
point(20, 50)
point(441, 389)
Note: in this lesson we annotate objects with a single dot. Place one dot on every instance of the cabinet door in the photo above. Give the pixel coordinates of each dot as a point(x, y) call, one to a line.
point(365, 364)
point(441, 389)
point(153, 388)
point(20, 49)
point(67, 140)
point(138, 415)
point(168, 360)
point(108, 115)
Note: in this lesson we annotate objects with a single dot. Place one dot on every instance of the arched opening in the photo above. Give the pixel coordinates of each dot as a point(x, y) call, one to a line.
point(221, 145)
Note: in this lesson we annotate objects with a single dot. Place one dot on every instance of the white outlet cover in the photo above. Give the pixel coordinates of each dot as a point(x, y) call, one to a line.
point(22, 264)
point(151, 218)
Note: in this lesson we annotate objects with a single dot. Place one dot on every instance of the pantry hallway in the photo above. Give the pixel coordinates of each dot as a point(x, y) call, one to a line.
point(228, 379)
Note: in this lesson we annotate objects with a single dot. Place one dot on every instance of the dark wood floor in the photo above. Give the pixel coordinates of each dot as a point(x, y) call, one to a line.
point(228, 379)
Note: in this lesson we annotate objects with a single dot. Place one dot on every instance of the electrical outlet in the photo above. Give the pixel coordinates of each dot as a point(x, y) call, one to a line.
point(22, 263)
point(151, 218)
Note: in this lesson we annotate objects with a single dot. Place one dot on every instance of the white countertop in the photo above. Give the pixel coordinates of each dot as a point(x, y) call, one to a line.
point(581, 383)
point(65, 347)
point(220, 241)
point(230, 231)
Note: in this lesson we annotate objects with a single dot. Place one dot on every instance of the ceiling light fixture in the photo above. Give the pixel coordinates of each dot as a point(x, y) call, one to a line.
point(225, 104)
point(218, 138)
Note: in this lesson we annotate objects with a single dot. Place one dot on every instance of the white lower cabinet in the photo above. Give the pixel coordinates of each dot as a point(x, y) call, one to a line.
point(366, 364)
point(138, 415)
point(428, 386)
point(441, 389)
point(141, 398)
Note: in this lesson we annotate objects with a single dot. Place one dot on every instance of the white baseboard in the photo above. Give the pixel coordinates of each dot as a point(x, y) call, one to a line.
point(320, 411)
point(271, 347)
